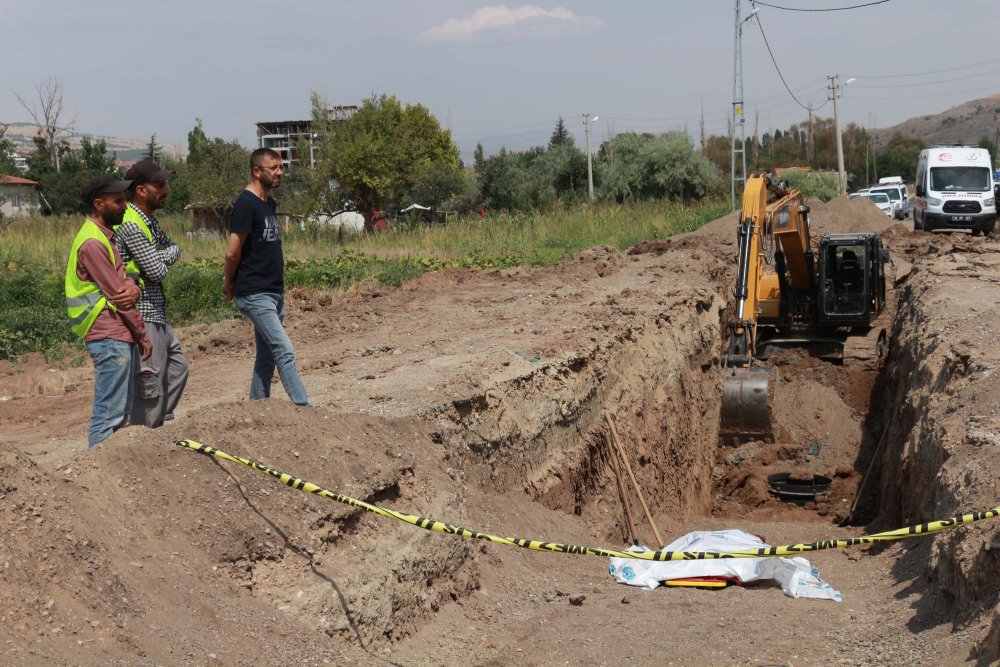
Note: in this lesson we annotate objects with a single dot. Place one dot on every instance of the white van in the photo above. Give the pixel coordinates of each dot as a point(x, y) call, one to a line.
point(955, 190)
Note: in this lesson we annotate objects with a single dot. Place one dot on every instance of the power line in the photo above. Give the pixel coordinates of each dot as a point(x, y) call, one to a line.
point(926, 72)
point(778, 69)
point(828, 9)
point(921, 97)
point(503, 129)
point(928, 83)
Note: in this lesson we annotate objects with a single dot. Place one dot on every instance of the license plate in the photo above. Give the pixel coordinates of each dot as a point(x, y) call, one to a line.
point(961, 218)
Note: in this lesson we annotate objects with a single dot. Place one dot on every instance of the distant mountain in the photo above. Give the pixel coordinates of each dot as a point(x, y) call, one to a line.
point(126, 149)
point(966, 123)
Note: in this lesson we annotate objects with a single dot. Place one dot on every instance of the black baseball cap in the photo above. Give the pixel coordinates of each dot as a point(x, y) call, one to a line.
point(103, 185)
point(147, 171)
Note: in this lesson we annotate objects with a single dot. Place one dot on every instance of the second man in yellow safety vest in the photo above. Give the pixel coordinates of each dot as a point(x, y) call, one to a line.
point(149, 253)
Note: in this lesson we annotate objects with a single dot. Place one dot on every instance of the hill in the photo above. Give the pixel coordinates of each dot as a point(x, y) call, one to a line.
point(965, 123)
point(126, 149)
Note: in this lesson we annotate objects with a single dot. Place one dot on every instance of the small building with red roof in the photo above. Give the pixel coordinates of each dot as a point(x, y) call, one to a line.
point(18, 196)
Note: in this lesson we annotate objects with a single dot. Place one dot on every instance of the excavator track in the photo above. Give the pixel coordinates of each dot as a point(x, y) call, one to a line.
point(866, 352)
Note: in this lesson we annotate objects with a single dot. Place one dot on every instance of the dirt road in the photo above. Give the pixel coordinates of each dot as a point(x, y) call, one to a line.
point(477, 398)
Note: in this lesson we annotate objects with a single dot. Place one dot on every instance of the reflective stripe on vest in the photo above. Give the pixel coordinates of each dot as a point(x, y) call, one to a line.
point(84, 299)
point(131, 267)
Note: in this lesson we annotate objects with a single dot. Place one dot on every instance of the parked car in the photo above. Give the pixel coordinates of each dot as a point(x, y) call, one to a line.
point(900, 203)
point(955, 190)
point(881, 200)
point(898, 180)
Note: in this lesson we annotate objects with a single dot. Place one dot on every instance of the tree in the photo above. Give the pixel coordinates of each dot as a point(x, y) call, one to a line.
point(220, 175)
point(437, 183)
point(197, 144)
point(503, 180)
point(900, 157)
point(647, 166)
point(154, 151)
point(47, 116)
point(560, 135)
point(376, 156)
point(984, 142)
point(61, 189)
point(94, 159)
point(7, 165)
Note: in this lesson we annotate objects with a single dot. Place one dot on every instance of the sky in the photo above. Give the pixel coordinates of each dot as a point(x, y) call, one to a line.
point(500, 74)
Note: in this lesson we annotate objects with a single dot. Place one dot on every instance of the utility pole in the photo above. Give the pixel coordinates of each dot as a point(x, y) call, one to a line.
point(874, 150)
point(841, 175)
point(738, 136)
point(587, 120)
point(811, 149)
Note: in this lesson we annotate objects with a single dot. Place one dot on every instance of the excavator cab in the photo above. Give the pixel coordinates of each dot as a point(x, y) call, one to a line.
point(852, 279)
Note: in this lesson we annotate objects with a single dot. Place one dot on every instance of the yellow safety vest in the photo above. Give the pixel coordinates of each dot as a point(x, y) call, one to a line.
point(131, 267)
point(84, 299)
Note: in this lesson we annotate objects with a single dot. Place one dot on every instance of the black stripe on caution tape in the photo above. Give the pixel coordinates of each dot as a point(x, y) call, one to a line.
point(555, 547)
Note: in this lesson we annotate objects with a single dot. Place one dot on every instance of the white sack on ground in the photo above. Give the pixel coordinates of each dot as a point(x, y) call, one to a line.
point(796, 576)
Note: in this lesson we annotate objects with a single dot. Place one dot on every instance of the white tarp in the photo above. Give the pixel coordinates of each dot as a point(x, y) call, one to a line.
point(796, 576)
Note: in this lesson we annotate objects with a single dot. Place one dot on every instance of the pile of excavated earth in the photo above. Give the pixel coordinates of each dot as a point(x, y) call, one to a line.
point(481, 398)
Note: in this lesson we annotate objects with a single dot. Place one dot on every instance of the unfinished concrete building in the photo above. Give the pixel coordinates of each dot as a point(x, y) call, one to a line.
point(287, 136)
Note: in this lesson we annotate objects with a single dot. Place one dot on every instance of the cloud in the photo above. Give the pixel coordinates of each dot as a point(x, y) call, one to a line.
point(505, 23)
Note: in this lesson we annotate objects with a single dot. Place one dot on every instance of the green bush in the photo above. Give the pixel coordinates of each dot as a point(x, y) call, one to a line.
point(820, 184)
point(194, 293)
point(32, 312)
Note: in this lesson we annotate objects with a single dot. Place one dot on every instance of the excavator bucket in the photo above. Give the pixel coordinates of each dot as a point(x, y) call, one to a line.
point(746, 405)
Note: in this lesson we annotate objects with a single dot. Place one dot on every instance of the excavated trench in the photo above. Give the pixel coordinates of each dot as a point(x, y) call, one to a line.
point(528, 446)
point(887, 438)
point(540, 437)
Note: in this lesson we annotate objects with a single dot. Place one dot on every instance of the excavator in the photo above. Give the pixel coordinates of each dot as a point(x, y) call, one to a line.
point(794, 290)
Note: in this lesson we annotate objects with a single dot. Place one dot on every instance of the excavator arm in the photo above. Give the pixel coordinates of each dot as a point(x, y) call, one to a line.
point(759, 289)
point(774, 232)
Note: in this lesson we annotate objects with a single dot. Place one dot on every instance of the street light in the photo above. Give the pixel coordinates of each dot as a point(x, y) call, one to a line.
point(587, 120)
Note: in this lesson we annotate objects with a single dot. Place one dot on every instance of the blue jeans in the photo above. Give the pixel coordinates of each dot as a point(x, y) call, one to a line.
point(115, 362)
point(274, 348)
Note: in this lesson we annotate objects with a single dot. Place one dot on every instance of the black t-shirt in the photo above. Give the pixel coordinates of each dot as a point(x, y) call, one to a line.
point(262, 266)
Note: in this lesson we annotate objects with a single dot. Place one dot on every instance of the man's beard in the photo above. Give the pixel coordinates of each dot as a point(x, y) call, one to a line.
point(112, 220)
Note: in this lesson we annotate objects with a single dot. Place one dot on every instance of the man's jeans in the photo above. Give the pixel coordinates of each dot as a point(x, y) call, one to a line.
point(115, 362)
point(274, 348)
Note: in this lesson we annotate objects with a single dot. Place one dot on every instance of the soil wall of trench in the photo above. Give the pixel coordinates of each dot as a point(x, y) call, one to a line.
point(942, 411)
point(546, 433)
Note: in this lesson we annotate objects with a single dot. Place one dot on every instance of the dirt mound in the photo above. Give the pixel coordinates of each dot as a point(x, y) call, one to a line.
point(844, 215)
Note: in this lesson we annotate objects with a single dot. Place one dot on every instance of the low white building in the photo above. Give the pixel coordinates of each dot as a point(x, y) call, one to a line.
point(18, 196)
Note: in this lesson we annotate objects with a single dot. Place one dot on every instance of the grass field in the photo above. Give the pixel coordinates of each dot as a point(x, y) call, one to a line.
point(33, 255)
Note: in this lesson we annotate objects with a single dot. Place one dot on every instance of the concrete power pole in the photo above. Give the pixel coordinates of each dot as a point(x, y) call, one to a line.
point(841, 175)
point(587, 120)
point(738, 137)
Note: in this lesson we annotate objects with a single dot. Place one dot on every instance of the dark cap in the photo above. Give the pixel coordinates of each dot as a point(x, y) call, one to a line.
point(147, 172)
point(102, 185)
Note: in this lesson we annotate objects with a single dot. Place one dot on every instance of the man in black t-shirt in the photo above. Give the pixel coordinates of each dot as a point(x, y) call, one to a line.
point(255, 277)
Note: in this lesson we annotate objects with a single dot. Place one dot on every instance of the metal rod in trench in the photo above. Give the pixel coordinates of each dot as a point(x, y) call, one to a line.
point(615, 463)
point(628, 468)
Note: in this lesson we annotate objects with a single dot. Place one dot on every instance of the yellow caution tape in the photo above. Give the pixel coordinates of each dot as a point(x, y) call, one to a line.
point(538, 545)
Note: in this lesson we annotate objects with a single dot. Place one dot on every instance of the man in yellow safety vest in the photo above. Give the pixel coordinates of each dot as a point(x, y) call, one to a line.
point(100, 302)
point(149, 253)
